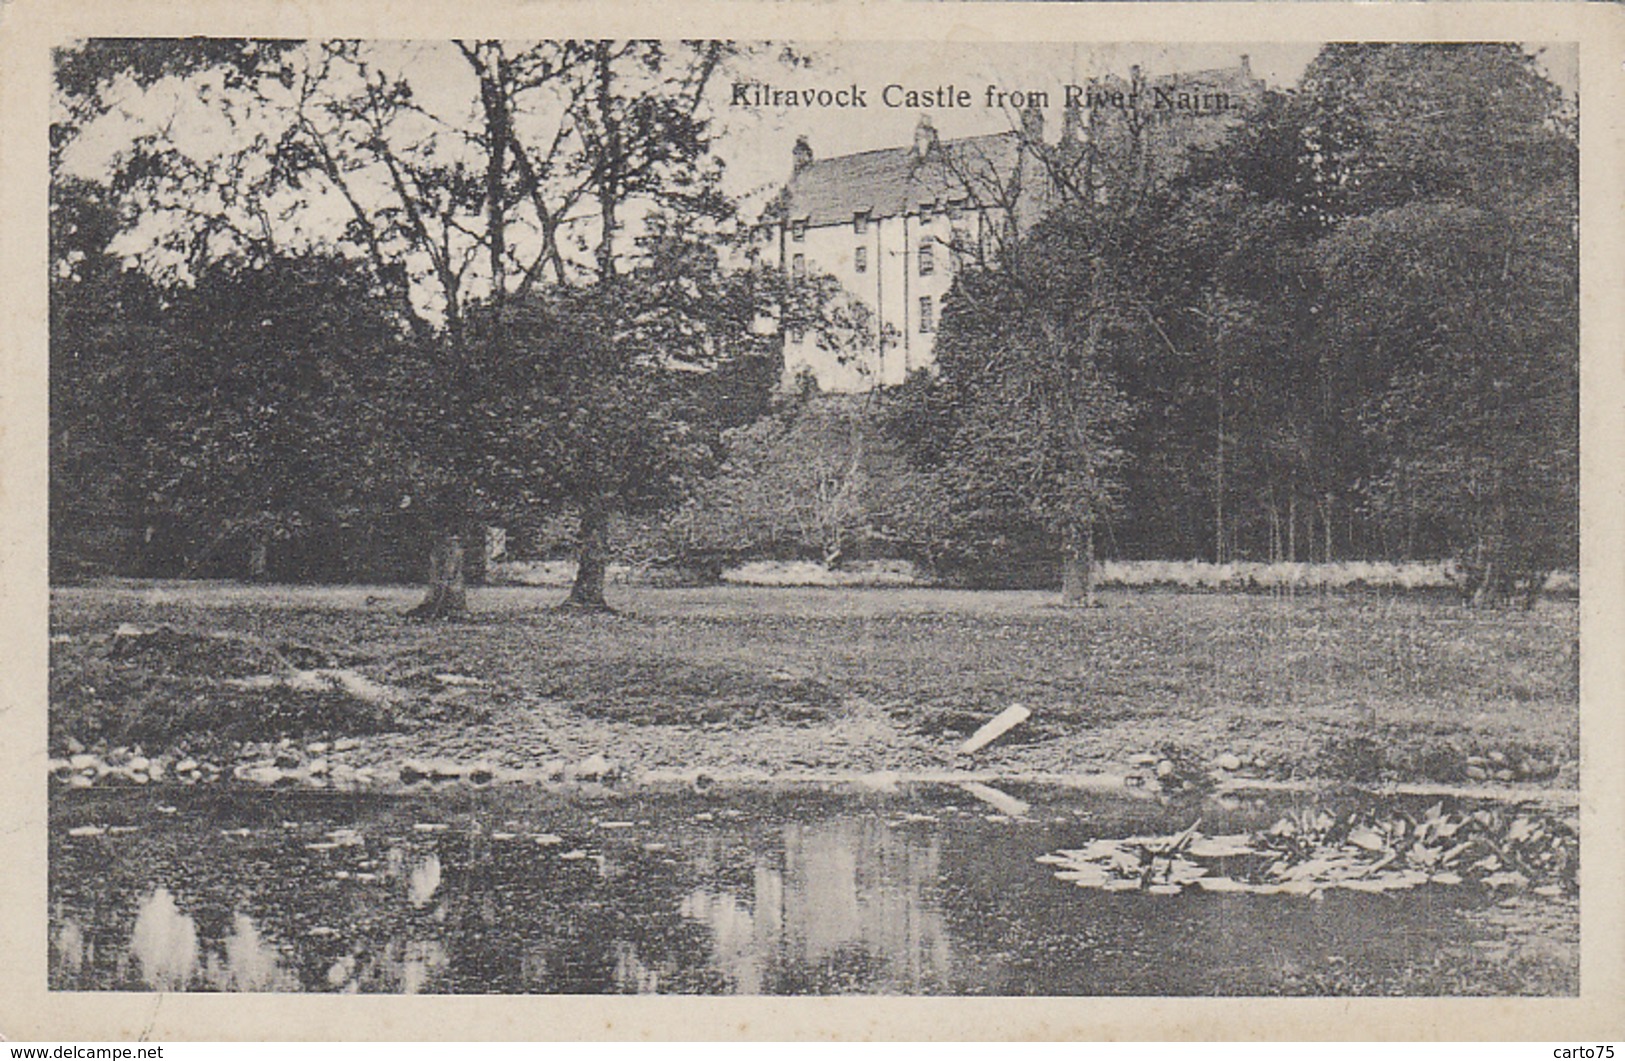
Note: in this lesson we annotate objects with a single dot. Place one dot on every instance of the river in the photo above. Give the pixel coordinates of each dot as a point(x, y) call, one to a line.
point(926, 889)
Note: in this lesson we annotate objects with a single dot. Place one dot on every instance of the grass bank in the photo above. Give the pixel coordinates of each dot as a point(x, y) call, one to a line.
point(1362, 687)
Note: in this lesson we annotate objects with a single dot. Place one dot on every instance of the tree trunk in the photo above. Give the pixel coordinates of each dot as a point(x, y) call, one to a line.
point(1326, 525)
point(1410, 519)
point(592, 559)
point(1497, 575)
point(495, 102)
point(1078, 566)
point(475, 553)
point(609, 163)
point(1292, 525)
point(259, 560)
point(448, 591)
point(1275, 528)
point(1219, 553)
point(1487, 591)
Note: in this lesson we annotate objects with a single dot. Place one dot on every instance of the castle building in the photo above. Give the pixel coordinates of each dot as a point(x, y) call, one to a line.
point(893, 226)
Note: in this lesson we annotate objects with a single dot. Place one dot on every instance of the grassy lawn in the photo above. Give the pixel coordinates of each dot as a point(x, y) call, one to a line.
point(1356, 686)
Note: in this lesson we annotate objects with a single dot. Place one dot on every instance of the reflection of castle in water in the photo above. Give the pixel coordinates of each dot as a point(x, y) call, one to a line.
point(797, 897)
point(837, 905)
point(167, 952)
point(848, 905)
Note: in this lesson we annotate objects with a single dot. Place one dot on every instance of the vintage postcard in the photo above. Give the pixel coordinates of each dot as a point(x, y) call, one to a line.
point(933, 521)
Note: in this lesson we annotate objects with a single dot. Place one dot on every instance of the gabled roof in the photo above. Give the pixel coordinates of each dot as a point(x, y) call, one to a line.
point(895, 180)
point(1237, 78)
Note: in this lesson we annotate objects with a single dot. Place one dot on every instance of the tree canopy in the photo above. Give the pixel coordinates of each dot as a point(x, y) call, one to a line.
point(303, 285)
point(1347, 328)
point(507, 226)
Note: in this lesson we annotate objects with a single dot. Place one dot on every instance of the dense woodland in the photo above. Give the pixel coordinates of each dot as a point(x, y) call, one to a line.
point(1347, 331)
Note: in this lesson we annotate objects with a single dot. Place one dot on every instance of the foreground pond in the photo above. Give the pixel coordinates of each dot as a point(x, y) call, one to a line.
point(799, 891)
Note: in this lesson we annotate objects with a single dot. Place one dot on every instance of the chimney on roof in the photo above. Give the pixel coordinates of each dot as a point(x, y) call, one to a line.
point(802, 154)
point(1032, 123)
point(925, 137)
point(1072, 123)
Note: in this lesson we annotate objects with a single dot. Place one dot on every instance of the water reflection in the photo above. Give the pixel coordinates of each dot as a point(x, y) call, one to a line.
point(68, 945)
point(835, 905)
point(165, 951)
point(164, 943)
point(632, 976)
point(251, 962)
point(737, 940)
point(803, 895)
point(423, 882)
point(852, 896)
point(423, 962)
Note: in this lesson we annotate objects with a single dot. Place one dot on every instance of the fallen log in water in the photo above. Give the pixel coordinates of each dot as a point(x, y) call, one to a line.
point(1002, 801)
point(996, 727)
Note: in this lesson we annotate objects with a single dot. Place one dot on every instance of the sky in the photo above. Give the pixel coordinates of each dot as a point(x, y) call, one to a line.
point(758, 141)
point(754, 142)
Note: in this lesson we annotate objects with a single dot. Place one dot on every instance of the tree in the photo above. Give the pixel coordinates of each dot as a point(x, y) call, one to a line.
point(1022, 416)
point(644, 141)
point(255, 405)
point(268, 138)
point(604, 399)
point(99, 312)
point(446, 211)
point(1025, 418)
point(1338, 286)
point(1451, 297)
point(1223, 443)
point(1476, 421)
point(820, 477)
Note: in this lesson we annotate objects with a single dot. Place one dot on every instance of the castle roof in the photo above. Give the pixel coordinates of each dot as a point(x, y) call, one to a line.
point(896, 180)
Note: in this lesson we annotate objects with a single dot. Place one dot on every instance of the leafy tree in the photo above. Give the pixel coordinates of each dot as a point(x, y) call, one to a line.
point(330, 150)
point(818, 478)
point(1224, 436)
point(1338, 284)
point(91, 74)
point(1476, 419)
point(99, 313)
point(1023, 418)
point(610, 399)
point(1451, 296)
point(252, 406)
point(1386, 125)
point(644, 140)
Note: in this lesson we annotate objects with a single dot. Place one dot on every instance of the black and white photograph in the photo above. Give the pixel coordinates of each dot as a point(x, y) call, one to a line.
point(805, 517)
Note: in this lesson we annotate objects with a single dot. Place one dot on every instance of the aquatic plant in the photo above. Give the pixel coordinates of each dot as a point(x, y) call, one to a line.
point(1363, 849)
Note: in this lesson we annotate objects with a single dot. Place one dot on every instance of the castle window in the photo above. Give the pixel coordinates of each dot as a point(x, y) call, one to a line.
point(860, 222)
point(926, 210)
point(925, 314)
point(796, 333)
point(928, 260)
point(860, 259)
point(798, 267)
point(798, 230)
